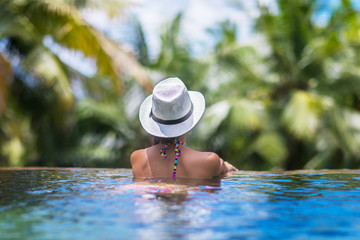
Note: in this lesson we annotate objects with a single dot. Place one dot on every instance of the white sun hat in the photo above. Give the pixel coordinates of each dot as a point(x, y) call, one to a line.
point(171, 110)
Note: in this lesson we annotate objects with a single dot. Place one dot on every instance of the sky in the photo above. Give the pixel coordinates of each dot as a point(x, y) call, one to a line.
point(199, 16)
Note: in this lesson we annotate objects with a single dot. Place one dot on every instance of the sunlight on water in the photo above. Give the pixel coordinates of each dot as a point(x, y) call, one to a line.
point(107, 203)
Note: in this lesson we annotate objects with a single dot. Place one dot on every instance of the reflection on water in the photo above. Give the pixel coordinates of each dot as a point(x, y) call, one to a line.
point(109, 204)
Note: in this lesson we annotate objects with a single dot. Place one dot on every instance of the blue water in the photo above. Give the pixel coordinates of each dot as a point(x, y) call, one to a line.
point(108, 204)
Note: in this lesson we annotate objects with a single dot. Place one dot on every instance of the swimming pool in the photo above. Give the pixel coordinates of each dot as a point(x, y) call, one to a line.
point(108, 204)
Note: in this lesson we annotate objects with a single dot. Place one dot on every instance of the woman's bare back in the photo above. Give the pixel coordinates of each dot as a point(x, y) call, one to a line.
point(191, 164)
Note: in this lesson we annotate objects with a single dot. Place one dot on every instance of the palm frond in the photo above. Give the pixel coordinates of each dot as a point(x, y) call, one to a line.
point(326, 148)
point(213, 117)
point(320, 49)
point(174, 50)
point(46, 66)
point(67, 28)
point(272, 147)
point(14, 150)
point(346, 128)
point(126, 64)
point(302, 115)
point(112, 7)
point(247, 115)
point(16, 25)
point(109, 114)
point(140, 43)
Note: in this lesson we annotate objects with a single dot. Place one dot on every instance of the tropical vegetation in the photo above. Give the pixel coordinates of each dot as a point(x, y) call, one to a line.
point(288, 100)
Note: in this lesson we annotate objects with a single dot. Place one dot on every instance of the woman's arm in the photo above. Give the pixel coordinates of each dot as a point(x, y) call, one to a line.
point(226, 167)
point(219, 166)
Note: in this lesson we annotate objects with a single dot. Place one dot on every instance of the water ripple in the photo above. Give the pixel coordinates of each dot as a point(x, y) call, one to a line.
point(86, 204)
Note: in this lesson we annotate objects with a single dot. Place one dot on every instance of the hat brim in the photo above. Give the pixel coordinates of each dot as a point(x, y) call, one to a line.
point(174, 130)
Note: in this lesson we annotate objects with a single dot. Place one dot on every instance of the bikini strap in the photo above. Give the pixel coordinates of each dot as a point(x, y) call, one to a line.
point(177, 153)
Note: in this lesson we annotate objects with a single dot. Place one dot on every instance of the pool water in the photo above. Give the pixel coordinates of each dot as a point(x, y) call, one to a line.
point(108, 204)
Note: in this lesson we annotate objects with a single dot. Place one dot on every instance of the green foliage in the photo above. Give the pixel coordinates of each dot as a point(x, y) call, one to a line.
point(289, 100)
point(302, 114)
point(290, 106)
point(38, 121)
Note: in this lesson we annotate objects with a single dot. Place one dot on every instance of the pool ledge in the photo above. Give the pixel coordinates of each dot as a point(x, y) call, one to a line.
point(240, 172)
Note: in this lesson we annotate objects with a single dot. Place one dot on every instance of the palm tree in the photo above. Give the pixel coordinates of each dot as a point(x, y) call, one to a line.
point(37, 100)
point(317, 99)
point(174, 57)
point(238, 120)
point(295, 105)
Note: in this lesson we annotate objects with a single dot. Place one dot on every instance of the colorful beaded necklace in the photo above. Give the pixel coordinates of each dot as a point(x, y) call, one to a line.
point(177, 153)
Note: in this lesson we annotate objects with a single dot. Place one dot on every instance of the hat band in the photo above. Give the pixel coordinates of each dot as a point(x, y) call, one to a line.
point(175, 121)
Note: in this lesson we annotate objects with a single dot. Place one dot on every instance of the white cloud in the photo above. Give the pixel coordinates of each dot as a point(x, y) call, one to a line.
point(199, 16)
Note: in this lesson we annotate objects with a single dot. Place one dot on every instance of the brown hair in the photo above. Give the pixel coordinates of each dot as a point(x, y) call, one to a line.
point(158, 140)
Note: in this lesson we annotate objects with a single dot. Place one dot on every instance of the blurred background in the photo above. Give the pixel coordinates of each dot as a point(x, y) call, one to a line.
point(281, 79)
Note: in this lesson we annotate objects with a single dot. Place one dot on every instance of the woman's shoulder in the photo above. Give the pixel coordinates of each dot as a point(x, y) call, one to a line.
point(212, 163)
point(207, 156)
point(138, 161)
point(137, 154)
point(213, 160)
point(209, 161)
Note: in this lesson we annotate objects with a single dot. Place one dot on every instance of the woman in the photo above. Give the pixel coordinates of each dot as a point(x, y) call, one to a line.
point(168, 115)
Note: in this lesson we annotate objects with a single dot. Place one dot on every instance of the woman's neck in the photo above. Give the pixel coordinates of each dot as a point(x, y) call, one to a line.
point(182, 138)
